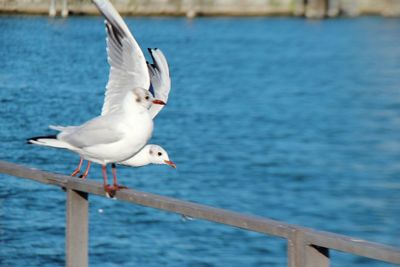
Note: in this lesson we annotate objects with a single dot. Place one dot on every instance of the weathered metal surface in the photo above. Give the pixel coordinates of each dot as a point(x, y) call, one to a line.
point(303, 254)
point(316, 256)
point(76, 242)
point(298, 237)
point(296, 249)
point(353, 245)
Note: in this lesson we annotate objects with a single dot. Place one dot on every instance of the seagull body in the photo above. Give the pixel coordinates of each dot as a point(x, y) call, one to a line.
point(110, 138)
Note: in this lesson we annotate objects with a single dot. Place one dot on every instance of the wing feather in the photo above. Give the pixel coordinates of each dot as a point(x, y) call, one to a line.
point(160, 79)
point(127, 63)
point(100, 130)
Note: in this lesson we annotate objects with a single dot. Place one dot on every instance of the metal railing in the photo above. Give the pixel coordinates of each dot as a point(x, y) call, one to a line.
point(306, 247)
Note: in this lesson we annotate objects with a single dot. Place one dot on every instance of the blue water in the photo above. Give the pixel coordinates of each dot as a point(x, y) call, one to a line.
point(286, 118)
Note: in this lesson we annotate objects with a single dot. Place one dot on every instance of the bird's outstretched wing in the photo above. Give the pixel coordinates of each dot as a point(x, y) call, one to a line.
point(160, 79)
point(128, 68)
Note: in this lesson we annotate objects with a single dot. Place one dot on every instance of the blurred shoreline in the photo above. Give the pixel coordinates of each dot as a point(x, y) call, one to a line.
point(193, 8)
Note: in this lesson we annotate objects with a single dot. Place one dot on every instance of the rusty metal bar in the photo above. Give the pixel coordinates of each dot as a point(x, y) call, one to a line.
point(299, 238)
point(76, 245)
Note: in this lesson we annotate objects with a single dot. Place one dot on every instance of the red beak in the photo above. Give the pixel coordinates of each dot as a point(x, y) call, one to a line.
point(170, 163)
point(158, 102)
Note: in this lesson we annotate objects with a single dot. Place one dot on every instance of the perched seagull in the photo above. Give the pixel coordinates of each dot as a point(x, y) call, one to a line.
point(160, 88)
point(150, 154)
point(125, 124)
point(127, 64)
point(125, 67)
point(109, 138)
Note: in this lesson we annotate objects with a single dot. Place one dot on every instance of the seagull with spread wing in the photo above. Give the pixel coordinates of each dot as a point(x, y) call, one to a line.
point(159, 87)
point(125, 124)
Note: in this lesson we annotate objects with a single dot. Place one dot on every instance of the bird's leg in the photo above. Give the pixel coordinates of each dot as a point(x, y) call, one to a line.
point(85, 174)
point(78, 169)
point(110, 190)
point(114, 172)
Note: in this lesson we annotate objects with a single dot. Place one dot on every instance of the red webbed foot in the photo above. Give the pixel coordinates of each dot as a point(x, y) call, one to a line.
point(110, 191)
point(118, 187)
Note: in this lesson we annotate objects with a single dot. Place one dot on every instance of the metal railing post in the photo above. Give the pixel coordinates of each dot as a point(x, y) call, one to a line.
point(316, 256)
point(76, 246)
point(295, 249)
point(303, 254)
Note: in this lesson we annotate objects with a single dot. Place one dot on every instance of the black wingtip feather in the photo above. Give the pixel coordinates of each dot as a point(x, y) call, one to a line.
point(151, 49)
point(28, 141)
point(152, 57)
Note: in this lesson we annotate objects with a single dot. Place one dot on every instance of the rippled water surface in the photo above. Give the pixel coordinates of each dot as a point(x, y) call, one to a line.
point(285, 118)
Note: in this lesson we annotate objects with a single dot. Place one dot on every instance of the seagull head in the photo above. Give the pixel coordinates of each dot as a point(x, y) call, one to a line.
point(144, 98)
point(157, 155)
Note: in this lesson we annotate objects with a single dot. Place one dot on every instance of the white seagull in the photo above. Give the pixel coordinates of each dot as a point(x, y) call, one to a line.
point(159, 77)
point(160, 88)
point(125, 125)
point(110, 138)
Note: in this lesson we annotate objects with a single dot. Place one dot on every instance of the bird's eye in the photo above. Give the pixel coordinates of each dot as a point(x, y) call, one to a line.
point(147, 97)
point(159, 153)
point(138, 99)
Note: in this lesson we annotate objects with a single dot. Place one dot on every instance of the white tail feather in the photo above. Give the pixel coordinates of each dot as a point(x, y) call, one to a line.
point(51, 143)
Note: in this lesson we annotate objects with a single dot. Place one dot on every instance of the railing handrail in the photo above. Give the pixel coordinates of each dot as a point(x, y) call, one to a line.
point(291, 232)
